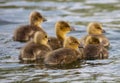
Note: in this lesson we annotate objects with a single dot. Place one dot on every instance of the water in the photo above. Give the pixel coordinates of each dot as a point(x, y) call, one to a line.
point(79, 13)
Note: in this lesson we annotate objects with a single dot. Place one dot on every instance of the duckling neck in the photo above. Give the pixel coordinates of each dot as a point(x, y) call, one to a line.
point(36, 42)
point(41, 43)
point(70, 47)
point(35, 24)
point(60, 35)
point(94, 33)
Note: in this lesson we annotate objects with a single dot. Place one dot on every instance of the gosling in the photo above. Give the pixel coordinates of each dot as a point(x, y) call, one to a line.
point(66, 55)
point(25, 33)
point(95, 29)
point(61, 29)
point(35, 49)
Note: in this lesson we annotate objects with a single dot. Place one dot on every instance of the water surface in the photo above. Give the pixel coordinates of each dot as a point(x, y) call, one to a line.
point(79, 13)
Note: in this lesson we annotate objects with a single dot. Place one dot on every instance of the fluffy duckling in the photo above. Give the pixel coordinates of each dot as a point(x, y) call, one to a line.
point(94, 49)
point(35, 49)
point(95, 28)
point(26, 32)
point(66, 55)
point(61, 29)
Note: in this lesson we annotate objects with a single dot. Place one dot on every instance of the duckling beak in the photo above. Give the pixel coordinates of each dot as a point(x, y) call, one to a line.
point(44, 19)
point(72, 28)
point(103, 31)
point(48, 40)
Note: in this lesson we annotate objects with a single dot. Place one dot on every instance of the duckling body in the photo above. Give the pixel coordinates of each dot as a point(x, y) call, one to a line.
point(94, 49)
point(61, 28)
point(62, 56)
point(24, 33)
point(35, 49)
point(95, 29)
point(92, 52)
point(66, 55)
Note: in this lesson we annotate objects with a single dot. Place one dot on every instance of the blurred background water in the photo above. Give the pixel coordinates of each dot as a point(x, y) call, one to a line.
point(79, 13)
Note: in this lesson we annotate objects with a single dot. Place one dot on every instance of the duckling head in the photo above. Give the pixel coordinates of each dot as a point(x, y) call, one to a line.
point(92, 40)
point(62, 28)
point(71, 42)
point(36, 18)
point(95, 28)
point(40, 37)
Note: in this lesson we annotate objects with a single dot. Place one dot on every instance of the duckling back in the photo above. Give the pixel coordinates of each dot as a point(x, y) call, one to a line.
point(61, 56)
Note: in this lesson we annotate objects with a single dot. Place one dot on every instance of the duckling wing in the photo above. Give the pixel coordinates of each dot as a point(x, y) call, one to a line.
point(105, 41)
point(22, 33)
point(40, 51)
point(26, 53)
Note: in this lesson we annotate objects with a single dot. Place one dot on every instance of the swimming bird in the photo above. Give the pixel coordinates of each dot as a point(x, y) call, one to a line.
point(66, 55)
point(35, 49)
point(95, 29)
point(94, 49)
point(24, 33)
point(61, 29)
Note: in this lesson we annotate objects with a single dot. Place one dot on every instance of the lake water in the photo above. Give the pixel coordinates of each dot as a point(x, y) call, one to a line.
point(79, 13)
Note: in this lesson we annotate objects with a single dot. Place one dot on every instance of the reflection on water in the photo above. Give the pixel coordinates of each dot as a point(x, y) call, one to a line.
point(79, 13)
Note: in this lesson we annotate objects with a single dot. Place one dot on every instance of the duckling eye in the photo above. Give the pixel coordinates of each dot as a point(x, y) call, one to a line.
point(76, 42)
point(61, 28)
point(46, 36)
point(98, 27)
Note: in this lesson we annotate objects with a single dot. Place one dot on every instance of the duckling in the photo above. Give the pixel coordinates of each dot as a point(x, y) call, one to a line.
point(94, 49)
point(61, 28)
point(95, 28)
point(66, 55)
point(35, 49)
point(25, 32)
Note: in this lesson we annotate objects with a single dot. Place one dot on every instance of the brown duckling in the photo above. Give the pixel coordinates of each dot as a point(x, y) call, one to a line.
point(26, 32)
point(94, 49)
point(66, 55)
point(61, 29)
point(35, 49)
point(95, 29)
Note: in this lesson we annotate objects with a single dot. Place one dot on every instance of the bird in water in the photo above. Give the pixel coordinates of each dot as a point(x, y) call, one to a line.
point(61, 29)
point(95, 29)
point(66, 55)
point(35, 49)
point(94, 49)
point(25, 33)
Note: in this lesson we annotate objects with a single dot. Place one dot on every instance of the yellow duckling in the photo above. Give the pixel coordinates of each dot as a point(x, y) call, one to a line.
point(26, 32)
point(95, 29)
point(61, 28)
point(94, 49)
point(66, 55)
point(36, 49)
